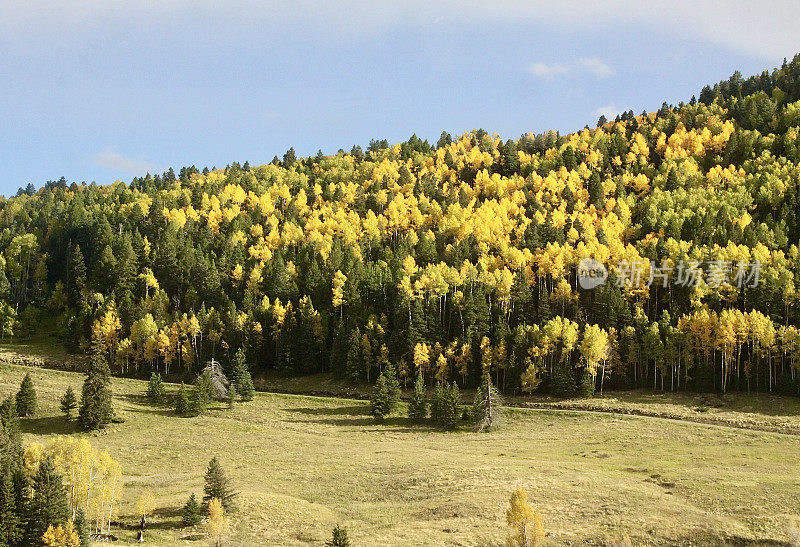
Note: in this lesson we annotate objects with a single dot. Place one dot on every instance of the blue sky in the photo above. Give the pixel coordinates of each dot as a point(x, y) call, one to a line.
point(105, 91)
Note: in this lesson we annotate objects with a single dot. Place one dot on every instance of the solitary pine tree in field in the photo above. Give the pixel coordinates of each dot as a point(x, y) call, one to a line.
point(418, 404)
point(525, 522)
point(49, 504)
point(380, 403)
point(201, 395)
point(26, 397)
point(96, 410)
point(218, 485)
point(241, 376)
point(232, 396)
point(68, 403)
point(339, 538)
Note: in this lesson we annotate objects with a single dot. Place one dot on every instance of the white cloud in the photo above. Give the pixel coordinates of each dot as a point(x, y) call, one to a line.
point(595, 66)
point(110, 159)
point(543, 70)
point(609, 111)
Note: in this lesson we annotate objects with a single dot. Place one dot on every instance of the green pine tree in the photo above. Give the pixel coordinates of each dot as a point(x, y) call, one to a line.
point(241, 377)
point(380, 404)
point(155, 388)
point(192, 512)
point(201, 395)
point(218, 485)
point(49, 504)
point(339, 538)
point(26, 397)
point(231, 396)
point(586, 383)
point(68, 403)
point(95, 409)
point(418, 404)
point(438, 402)
point(392, 386)
point(11, 521)
point(82, 527)
point(562, 380)
point(182, 402)
point(451, 408)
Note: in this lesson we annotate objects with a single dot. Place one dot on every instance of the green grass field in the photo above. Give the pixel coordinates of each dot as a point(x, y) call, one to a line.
point(304, 464)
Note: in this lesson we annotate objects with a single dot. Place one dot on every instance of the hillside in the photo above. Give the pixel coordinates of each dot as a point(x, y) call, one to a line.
point(446, 259)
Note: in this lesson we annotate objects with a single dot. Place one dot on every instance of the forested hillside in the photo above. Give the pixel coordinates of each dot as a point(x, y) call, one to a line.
point(446, 259)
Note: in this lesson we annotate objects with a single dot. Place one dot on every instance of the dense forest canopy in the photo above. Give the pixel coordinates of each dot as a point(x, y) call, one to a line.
point(445, 260)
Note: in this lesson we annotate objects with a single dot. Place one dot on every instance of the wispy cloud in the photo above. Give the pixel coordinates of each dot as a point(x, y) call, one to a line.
point(609, 111)
point(543, 70)
point(594, 66)
point(110, 159)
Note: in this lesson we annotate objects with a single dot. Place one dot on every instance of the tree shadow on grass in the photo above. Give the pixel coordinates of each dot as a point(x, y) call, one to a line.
point(395, 424)
point(49, 425)
point(352, 410)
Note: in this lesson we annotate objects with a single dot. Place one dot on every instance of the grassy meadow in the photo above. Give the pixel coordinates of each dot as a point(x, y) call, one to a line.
point(303, 464)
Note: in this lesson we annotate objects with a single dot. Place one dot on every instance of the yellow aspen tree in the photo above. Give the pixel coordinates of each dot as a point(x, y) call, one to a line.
point(217, 523)
point(61, 536)
point(527, 525)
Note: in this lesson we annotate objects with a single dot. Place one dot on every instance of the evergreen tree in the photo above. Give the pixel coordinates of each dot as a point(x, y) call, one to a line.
point(586, 383)
point(380, 404)
point(201, 394)
point(339, 538)
point(192, 512)
point(155, 388)
point(96, 409)
point(488, 406)
point(217, 485)
point(392, 386)
point(232, 396)
point(446, 406)
point(68, 403)
point(82, 527)
point(182, 402)
point(26, 397)
point(76, 285)
point(241, 377)
point(562, 380)
point(418, 404)
point(11, 521)
point(49, 504)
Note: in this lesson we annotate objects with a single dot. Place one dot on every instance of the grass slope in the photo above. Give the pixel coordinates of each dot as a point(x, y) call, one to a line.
point(304, 464)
